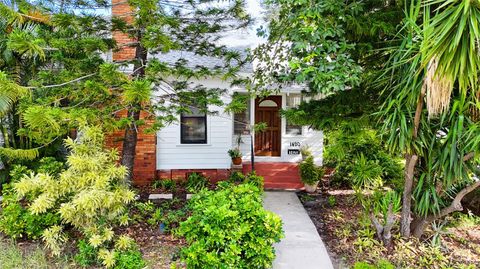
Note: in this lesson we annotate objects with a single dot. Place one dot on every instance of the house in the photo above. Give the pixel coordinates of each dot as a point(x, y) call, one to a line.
point(201, 142)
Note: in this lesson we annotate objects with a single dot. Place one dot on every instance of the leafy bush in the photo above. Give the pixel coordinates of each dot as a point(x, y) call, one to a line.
point(50, 166)
point(196, 182)
point(254, 179)
point(131, 259)
point(229, 228)
point(348, 147)
point(384, 264)
point(18, 171)
point(236, 177)
point(87, 254)
point(309, 172)
point(17, 222)
point(126, 256)
point(166, 184)
point(91, 195)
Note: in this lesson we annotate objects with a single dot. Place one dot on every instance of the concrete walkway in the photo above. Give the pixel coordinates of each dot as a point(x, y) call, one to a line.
point(302, 247)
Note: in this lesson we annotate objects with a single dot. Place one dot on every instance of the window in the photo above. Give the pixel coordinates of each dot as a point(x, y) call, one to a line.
point(292, 101)
point(241, 121)
point(193, 127)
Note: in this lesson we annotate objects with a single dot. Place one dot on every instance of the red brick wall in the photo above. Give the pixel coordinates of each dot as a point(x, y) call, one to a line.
point(214, 175)
point(121, 9)
point(145, 164)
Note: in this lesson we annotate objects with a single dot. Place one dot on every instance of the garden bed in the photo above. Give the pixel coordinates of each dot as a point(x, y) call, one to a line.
point(160, 249)
point(340, 224)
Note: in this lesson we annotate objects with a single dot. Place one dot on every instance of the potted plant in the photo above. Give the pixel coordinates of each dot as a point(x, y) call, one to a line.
point(236, 156)
point(310, 174)
point(305, 151)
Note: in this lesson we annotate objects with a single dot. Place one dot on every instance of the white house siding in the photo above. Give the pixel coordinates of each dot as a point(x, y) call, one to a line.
point(171, 154)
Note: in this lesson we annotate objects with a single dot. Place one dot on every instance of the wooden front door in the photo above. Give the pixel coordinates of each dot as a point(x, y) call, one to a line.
point(268, 141)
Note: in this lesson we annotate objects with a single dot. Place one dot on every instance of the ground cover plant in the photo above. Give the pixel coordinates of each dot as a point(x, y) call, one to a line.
point(351, 239)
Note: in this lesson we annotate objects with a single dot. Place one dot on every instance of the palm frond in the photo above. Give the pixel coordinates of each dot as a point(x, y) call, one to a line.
point(10, 93)
point(451, 40)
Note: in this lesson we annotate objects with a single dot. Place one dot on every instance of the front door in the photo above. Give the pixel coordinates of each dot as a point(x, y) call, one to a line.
point(268, 141)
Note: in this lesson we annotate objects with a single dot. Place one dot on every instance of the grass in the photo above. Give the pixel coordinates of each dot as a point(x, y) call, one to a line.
point(30, 257)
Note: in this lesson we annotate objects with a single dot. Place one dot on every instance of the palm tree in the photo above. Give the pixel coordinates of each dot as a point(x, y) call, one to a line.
point(430, 111)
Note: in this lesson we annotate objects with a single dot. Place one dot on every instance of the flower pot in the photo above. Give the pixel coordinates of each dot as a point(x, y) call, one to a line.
point(237, 161)
point(311, 188)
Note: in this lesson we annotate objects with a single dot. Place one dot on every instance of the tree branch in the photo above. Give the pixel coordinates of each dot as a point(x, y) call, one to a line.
point(63, 84)
point(420, 224)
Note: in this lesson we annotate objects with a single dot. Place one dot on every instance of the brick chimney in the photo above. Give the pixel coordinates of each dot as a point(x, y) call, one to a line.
point(145, 158)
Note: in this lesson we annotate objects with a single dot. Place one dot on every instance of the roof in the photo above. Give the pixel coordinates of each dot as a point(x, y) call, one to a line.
point(195, 60)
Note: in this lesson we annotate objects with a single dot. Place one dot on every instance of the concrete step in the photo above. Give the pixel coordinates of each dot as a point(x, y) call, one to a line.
point(277, 175)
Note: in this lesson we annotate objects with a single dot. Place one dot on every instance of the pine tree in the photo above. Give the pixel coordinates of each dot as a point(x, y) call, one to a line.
point(162, 26)
point(70, 83)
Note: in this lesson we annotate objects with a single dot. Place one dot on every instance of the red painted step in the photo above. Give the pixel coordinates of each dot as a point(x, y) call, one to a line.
point(277, 175)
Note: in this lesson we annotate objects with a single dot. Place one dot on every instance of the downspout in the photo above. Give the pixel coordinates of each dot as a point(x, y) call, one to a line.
point(252, 155)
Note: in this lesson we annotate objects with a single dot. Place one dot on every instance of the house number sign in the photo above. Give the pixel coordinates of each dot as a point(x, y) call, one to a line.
point(294, 151)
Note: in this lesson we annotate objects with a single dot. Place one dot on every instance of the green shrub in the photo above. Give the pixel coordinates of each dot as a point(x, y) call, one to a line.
point(170, 184)
point(126, 256)
point(309, 172)
point(17, 222)
point(131, 259)
point(254, 179)
point(343, 148)
point(366, 174)
point(229, 228)
point(87, 254)
point(18, 171)
point(236, 177)
point(166, 184)
point(196, 182)
point(49, 165)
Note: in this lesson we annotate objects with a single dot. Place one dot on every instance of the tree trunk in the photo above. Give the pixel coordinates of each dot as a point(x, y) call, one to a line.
point(130, 143)
point(131, 132)
point(405, 219)
point(410, 163)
